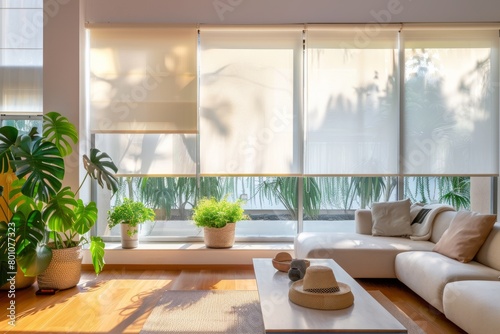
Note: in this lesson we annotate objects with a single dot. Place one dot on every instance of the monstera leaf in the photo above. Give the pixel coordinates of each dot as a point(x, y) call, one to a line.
point(43, 165)
point(17, 202)
point(30, 230)
point(59, 213)
point(8, 137)
point(97, 253)
point(86, 216)
point(99, 167)
point(58, 130)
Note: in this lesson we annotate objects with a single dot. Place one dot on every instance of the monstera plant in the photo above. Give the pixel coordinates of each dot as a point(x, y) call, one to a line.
point(41, 215)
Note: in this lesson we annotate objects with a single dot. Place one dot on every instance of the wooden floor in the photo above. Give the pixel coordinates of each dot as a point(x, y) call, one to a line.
point(120, 299)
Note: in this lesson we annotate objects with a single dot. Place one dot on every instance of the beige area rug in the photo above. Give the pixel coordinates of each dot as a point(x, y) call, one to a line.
point(405, 320)
point(227, 312)
point(206, 311)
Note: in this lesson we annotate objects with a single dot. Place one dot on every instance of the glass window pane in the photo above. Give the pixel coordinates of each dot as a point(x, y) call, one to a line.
point(330, 202)
point(270, 203)
point(23, 124)
point(452, 190)
point(170, 197)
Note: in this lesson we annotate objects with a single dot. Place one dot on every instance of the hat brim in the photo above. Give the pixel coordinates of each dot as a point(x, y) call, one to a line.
point(321, 301)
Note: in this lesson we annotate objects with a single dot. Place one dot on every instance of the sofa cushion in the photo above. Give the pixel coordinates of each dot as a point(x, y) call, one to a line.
point(440, 224)
point(489, 253)
point(427, 273)
point(467, 232)
point(363, 221)
point(359, 254)
point(391, 219)
point(473, 305)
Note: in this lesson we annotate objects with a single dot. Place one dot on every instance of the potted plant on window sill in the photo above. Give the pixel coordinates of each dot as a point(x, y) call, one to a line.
point(130, 214)
point(48, 220)
point(218, 219)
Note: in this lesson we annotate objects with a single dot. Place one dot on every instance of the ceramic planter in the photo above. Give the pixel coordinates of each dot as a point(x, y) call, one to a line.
point(128, 241)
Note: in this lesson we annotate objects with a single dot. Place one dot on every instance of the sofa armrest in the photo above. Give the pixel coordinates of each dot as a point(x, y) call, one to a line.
point(363, 219)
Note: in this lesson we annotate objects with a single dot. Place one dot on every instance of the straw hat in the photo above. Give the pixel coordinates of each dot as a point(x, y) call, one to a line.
point(320, 290)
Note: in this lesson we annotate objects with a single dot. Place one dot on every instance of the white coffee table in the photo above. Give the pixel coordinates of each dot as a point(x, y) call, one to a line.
point(282, 316)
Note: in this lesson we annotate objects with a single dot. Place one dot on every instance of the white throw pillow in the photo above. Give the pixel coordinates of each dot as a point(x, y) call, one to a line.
point(391, 219)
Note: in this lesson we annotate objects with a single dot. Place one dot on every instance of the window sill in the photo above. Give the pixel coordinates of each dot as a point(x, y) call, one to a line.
point(189, 253)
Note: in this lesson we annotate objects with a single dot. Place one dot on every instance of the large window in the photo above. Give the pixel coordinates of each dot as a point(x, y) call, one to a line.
point(306, 123)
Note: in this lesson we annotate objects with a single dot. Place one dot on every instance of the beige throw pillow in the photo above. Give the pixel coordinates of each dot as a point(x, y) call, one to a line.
point(391, 219)
point(467, 232)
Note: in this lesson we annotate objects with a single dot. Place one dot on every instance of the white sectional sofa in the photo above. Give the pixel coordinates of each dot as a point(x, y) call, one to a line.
point(451, 286)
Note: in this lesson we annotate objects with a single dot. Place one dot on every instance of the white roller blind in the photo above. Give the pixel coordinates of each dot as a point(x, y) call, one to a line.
point(352, 110)
point(142, 97)
point(450, 121)
point(21, 56)
point(143, 79)
point(250, 100)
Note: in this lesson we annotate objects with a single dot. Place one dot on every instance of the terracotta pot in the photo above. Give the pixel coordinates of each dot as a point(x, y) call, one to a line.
point(64, 270)
point(127, 240)
point(222, 237)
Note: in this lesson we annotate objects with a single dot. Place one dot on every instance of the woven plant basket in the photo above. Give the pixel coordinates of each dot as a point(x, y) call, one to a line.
point(222, 237)
point(64, 270)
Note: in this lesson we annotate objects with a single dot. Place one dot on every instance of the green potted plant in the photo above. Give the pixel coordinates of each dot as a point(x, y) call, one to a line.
point(218, 218)
point(130, 214)
point(49, 220)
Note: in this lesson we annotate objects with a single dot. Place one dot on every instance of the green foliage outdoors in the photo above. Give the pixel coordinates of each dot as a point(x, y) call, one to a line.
point(131, 213)
point(285, 189)
point(452, 190)
point(210, 212)
point(318, 193)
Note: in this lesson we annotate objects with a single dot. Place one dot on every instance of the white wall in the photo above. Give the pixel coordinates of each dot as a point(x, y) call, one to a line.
point(291, 11)
point(61, 68)
point(480, 194)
